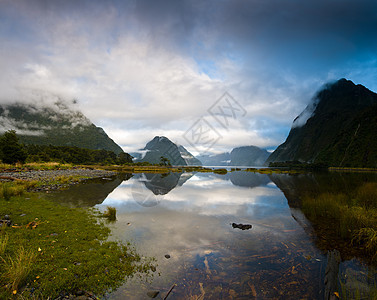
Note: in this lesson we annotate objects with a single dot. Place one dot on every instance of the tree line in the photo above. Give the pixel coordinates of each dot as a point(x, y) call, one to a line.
point(12, 151)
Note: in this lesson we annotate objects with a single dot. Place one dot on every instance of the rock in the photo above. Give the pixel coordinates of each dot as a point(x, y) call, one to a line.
point(5, 222)
point(153, 294)
point(241, 226)
point(167, 256)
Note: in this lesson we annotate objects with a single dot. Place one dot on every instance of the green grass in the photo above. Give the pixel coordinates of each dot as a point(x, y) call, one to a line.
point(3, 244)
point(69, 249)
point(110, 213)
point(16, 269)
point(220, 171)
point(352, 217)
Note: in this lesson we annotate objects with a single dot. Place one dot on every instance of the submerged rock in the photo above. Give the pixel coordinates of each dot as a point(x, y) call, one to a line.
point(153, 294)
point(241, 226)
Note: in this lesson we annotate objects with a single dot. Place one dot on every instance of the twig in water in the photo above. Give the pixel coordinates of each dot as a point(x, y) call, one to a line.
point(172, 287)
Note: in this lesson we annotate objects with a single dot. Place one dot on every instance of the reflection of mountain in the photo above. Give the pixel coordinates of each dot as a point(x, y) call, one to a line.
point(298, 187)
point(248, 179)
point(295, 187)
point(161, 184)
point(90, 192)
point(242, 178)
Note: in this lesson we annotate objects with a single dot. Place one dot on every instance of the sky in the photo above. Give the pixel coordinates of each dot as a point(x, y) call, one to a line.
point(210, 75)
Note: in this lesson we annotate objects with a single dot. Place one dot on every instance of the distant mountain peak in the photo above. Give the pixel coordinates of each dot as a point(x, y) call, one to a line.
point(162, 146)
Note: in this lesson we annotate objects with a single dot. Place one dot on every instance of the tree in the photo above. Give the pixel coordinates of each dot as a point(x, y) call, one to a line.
point(124, 158)
point(164, 161)
point(12, 150)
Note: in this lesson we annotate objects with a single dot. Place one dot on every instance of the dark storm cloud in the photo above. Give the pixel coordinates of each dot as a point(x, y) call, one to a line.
point(159, 63)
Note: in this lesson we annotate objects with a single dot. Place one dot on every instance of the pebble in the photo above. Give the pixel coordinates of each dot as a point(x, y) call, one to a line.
point(167, 256)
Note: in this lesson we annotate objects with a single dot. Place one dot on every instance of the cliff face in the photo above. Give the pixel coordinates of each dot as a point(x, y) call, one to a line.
point(338, 128)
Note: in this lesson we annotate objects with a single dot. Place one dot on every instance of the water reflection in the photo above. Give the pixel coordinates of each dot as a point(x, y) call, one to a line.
point(208, 257)
point(188, 216)
point(90, 192)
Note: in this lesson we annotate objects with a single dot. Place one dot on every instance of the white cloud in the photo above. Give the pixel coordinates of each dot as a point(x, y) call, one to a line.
point(140, 70)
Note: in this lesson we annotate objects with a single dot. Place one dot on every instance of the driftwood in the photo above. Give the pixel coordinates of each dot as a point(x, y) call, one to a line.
point(331, 275)
point(172, 287)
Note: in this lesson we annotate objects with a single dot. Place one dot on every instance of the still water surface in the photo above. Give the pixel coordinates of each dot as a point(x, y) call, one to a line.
point(185, 222)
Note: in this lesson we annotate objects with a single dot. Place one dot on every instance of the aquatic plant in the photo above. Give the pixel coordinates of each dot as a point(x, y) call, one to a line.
point(353, 216)
point(110, 213)
point(220, 171)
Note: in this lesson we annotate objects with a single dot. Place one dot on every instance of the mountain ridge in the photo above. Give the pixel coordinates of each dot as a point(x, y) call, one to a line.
point(55, 124)
point(339, 105)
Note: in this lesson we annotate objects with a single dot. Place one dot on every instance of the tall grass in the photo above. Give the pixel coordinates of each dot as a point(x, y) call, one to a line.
point(110, 213)
point(17, 188)
point(353, 216)
point(3, 244)
point(16, 270)
point(9, 189)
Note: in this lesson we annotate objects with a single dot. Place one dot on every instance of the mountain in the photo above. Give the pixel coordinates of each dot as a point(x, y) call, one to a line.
point(240, 156)
point(162, 146)
point(190, 159)
point(248, 156)
point(222, 159)
point(338, 128)
point(55, 124)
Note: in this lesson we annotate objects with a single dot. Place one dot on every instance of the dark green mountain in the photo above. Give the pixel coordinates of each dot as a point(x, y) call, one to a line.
point(338, 128)
point(162, 146)
point(56, 124)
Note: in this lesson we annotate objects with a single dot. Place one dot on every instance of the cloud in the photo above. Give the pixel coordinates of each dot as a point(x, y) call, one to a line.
point(143, 68)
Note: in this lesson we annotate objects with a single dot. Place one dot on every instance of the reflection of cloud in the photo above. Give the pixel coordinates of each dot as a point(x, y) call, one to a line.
point(193, 223)
point(196, 196)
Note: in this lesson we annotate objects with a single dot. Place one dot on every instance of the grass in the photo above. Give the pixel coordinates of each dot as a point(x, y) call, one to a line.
point(220, 171)
point(66, 250)
point(3, 244)
point(36, 166)
point(352, 217)
point(16, 270)
point(110, 213)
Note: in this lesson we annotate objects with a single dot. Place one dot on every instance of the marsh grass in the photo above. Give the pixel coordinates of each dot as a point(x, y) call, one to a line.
point(71, 248)
point(10, 189)
point(3, 244)
point(352, 217)
point(220, 171)
point(110, 213)
point(16, 270)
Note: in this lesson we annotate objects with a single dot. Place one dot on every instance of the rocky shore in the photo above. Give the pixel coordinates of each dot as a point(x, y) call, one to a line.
point(55, 179)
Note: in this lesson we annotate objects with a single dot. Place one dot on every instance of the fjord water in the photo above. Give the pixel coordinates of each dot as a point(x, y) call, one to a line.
point(184, 222)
